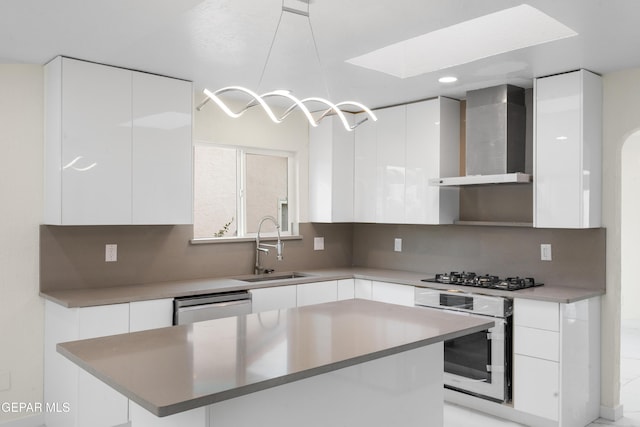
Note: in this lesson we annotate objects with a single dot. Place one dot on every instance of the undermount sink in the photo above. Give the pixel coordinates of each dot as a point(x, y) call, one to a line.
point(273, 276)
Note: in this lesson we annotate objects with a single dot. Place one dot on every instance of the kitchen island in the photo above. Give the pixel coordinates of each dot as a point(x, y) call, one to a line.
point(352, 362)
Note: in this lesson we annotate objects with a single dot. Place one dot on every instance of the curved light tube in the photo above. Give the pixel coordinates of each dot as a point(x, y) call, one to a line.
point(297, 104)
point(214, 97)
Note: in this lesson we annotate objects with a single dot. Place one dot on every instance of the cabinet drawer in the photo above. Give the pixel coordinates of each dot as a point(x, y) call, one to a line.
point(536, 386)
point(317, 293)
point(537, 343)
point(536, 314)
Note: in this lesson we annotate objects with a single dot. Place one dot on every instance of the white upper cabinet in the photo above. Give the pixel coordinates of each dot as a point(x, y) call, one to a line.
point(390, 165)
point(396, 156)
point(432, 151)
point(88, 143)
point(162, 153)
point(331, 162)
point(117, 146)
point(568, 150)
point(366, 158)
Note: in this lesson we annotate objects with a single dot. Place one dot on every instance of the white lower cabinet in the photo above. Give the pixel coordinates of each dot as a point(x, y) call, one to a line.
point(90, 401)
point(153, 314)
point(392, 293)
point(346, 289)
point(556, 363)
point(277, 297)
point(362, 288)
point(536, 389)
point(317, 293)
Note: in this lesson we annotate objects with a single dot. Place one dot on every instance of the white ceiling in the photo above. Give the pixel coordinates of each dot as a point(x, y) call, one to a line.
point(217, 43)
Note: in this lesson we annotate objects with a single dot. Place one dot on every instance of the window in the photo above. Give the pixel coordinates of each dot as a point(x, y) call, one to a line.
point(235, 187)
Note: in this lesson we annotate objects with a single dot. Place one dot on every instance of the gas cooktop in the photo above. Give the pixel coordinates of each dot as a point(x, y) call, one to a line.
point(486, 281)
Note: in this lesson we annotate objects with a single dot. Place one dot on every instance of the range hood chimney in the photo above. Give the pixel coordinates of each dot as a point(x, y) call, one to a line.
point(496, 124)
point(496, 132)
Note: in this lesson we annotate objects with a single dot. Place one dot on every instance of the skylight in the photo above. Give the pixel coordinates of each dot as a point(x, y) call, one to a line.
point(500, 32)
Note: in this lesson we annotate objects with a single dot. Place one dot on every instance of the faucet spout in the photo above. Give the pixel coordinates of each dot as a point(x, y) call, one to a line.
point(264, 247)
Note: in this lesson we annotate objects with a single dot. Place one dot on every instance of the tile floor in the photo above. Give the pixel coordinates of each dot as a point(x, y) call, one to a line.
point(457, 416)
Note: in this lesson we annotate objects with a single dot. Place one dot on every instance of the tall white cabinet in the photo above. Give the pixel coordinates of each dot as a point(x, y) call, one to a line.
point(117, 146)
point(396, 156)
point(568, 150)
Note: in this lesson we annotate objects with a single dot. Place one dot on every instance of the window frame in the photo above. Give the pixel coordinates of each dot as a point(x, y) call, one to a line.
point(241, 208)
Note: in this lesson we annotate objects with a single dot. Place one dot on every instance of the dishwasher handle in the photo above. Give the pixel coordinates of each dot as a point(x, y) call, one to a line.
point(210, 299)
point(216, 306)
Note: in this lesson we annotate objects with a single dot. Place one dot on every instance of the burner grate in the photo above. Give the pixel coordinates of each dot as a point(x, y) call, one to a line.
point(487, 281)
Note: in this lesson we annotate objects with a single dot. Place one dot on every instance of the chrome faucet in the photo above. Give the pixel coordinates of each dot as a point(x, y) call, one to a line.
point(263, 247)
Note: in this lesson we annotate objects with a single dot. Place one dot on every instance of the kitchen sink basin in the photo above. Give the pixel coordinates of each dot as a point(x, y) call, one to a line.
point(273, 276)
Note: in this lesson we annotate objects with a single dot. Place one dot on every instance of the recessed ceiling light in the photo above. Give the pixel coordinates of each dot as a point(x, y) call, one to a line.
point(503, 31)
point(448, 79)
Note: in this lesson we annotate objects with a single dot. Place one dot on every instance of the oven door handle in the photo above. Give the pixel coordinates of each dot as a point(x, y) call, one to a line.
point(458, 312)
point(469, 380)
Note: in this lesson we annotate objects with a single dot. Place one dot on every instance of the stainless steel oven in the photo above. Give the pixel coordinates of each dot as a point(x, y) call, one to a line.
point(480, 363)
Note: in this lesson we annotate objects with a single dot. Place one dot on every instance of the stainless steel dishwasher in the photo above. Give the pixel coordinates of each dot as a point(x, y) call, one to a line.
point(211, 306)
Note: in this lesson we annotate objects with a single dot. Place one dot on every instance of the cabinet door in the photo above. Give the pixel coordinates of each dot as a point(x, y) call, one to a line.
point(331, 152)
point(536, 343)
point(346, 289)
point(392, 293)
point(362, 288)
point(162, 150)
point(432, 151)
point(536, 386)
point(98, 404)
point(278, 297)
point(96, 144)
point(568, 136)
point(390, 173)
point(536, 314)
point(317, 293)
point(365, 164)
point(144, 315)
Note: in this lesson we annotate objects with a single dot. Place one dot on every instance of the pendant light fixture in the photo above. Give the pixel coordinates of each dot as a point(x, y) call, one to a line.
point(326, 107)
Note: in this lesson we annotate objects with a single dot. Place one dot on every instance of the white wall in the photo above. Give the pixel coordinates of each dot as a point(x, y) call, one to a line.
point(21, 309)
point(255, 129)
point(621, 119)
point(630, 235)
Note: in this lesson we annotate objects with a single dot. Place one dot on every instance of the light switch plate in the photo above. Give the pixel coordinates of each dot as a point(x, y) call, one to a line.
point(318, 243)
point(397, 244)
point(545, 252)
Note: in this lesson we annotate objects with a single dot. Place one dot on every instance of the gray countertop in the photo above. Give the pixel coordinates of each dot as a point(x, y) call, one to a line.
point(123, 294)
point(170, 370)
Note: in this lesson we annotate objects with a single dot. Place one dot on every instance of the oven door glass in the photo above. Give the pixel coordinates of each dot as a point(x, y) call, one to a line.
point(469, 356)
point(479, 364)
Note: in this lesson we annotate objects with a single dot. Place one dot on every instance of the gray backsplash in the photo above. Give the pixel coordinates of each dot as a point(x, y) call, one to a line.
point(72, 257)
point(578, 255)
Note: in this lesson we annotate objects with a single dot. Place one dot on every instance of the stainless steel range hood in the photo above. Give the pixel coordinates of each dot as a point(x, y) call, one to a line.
point(495, 146)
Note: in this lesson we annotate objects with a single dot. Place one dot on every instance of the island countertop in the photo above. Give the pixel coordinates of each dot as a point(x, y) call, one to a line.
point(174, 369)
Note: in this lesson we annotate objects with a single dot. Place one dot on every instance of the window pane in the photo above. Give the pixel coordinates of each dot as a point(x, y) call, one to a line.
point(214, 192)
point(266, 191)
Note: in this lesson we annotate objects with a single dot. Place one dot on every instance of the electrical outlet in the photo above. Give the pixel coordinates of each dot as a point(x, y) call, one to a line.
point(318, 243)
point(111, 253)
point(5, 380)
point(397, 244)
point(545, 252)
